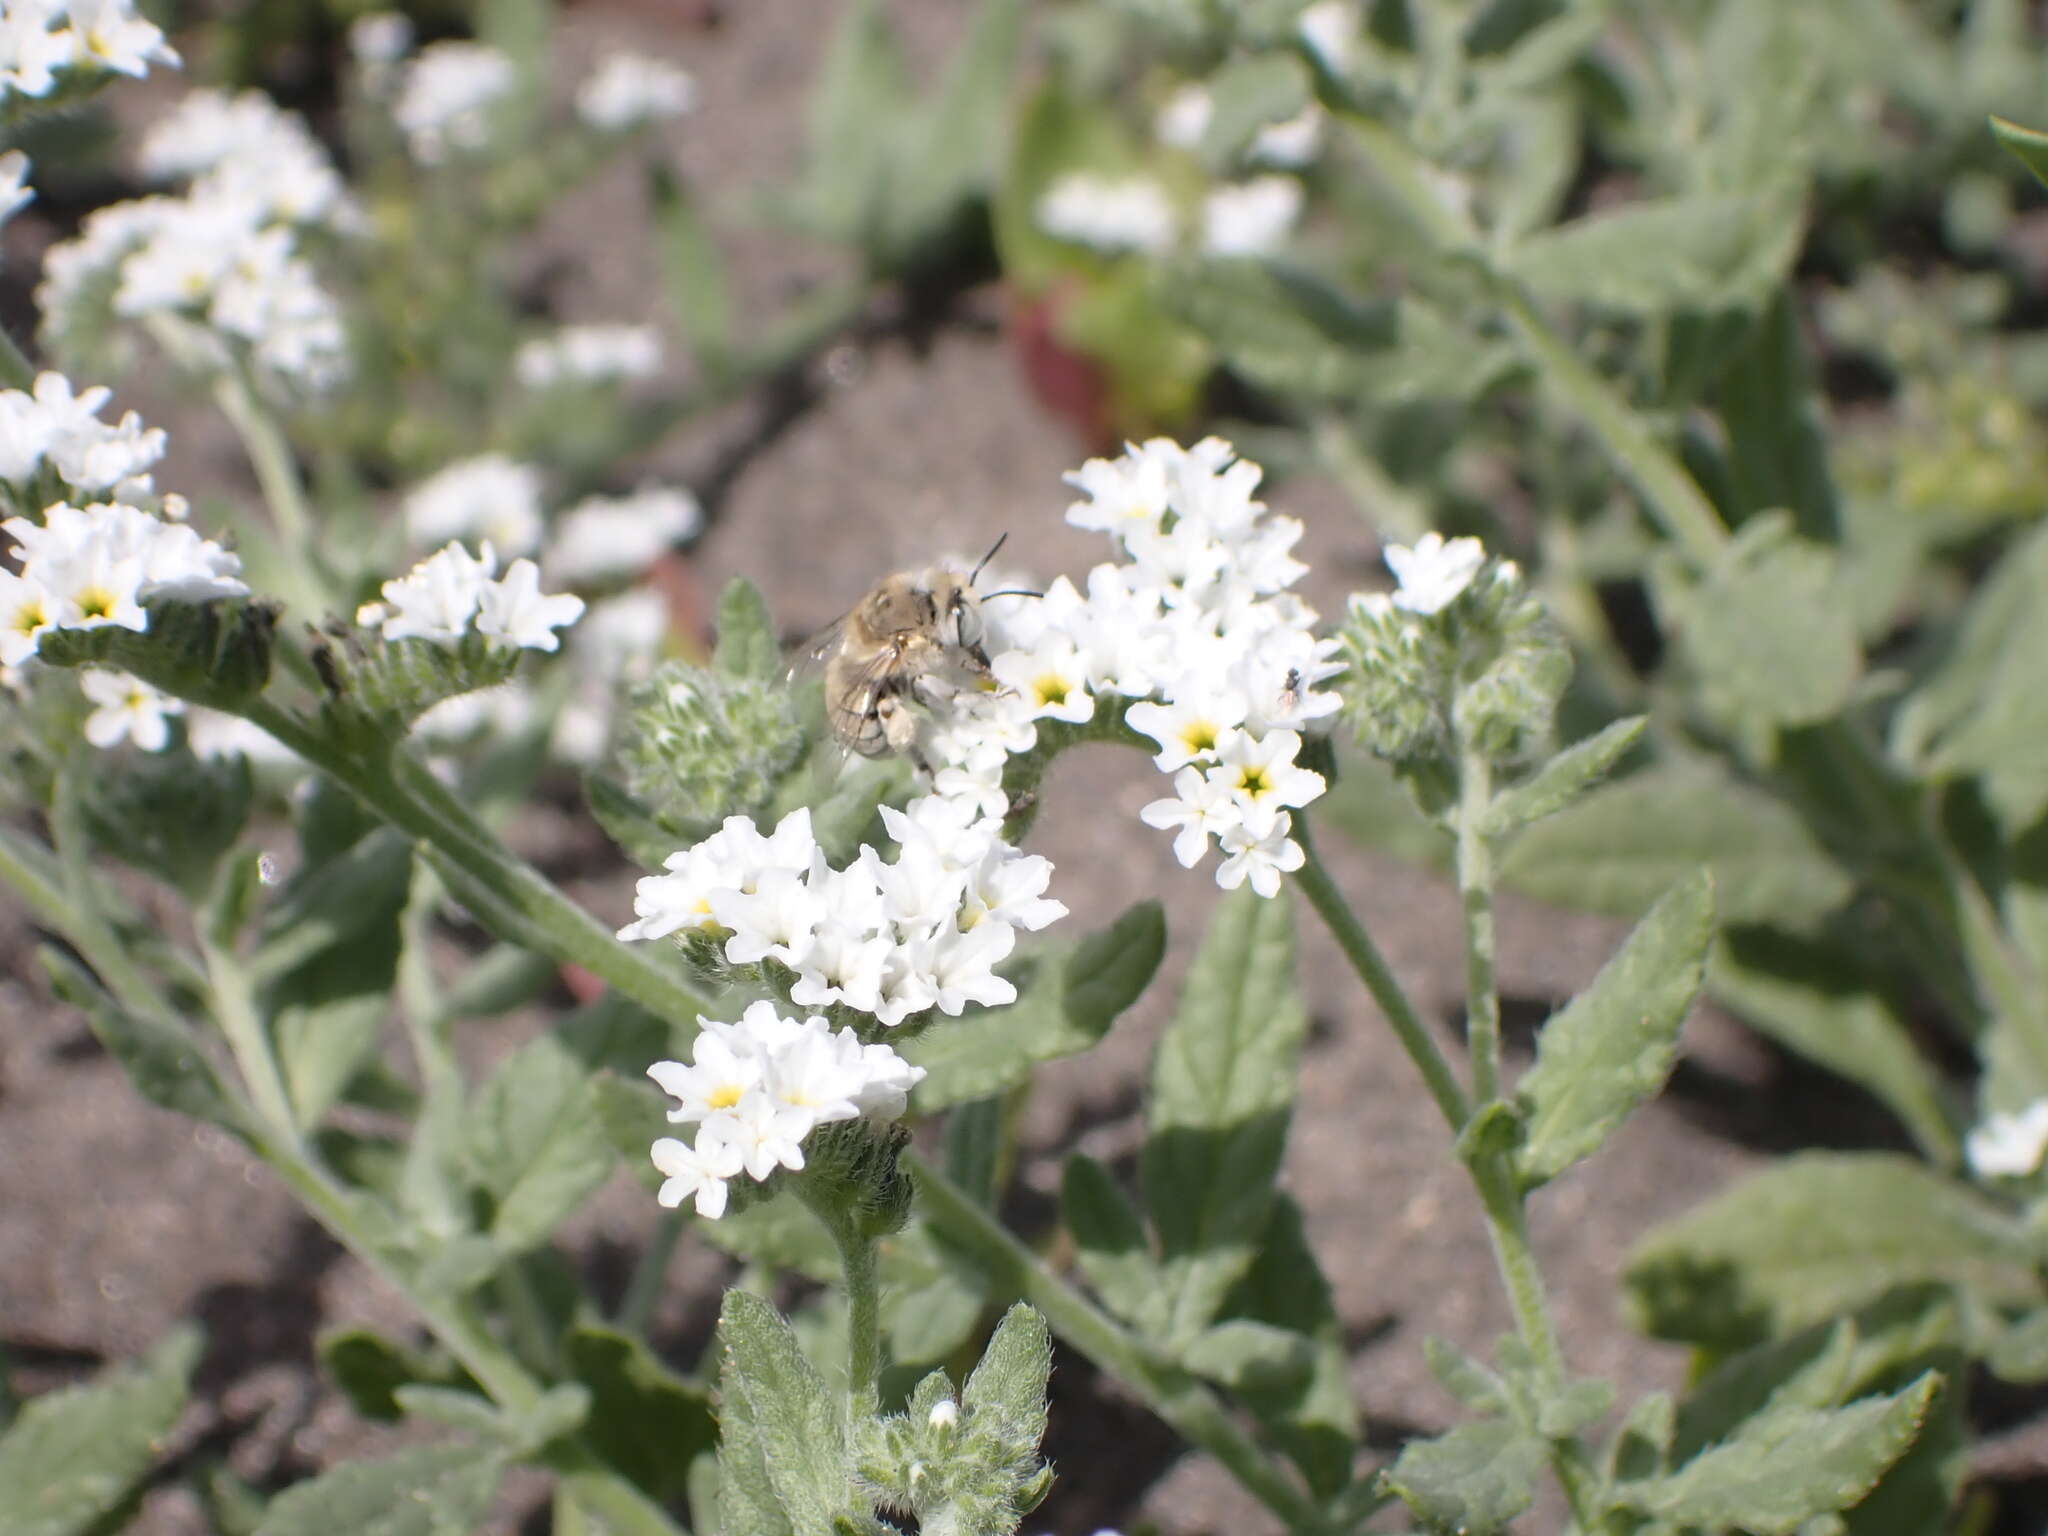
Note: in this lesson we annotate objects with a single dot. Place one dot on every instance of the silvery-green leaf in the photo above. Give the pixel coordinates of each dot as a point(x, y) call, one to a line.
point(71, 1457)
point(2029, 146)
point(533, 1139)
point(699, 288)
point(1787, 1465)
point(1623, 845)
point(1612, 1046)
point(1110, 1242)
point(162, 1059)
point(793, 1443)
point(430, 1490)
point(1246, 95)
point(1564, 778)
point(645, 1420)
point(1474, 1479)
point(1223, 1086)
point(747, 643)
point(1818, 1233)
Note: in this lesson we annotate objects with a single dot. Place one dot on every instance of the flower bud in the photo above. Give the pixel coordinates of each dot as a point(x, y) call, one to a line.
point(700, 746)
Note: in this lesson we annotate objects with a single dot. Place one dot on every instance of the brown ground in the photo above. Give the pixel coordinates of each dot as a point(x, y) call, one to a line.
point(120, 1219)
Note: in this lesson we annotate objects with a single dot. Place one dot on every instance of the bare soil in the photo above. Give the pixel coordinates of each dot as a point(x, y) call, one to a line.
point(120, 1219)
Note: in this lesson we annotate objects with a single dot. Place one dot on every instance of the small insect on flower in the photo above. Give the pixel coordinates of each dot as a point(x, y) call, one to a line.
point(915, 640)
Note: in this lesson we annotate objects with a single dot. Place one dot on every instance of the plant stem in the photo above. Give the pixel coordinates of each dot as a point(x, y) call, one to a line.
point(16, 371)
point(1322, 892)
point(234, 1008)
point(1475, 895)
point(643, 1290)
point(1176, 1397)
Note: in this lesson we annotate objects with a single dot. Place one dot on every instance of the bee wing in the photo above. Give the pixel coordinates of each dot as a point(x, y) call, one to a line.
point(851, 711)
point(809, 658)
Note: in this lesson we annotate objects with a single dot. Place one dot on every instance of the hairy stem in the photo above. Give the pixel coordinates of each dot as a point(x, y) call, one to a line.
point(1475, 896)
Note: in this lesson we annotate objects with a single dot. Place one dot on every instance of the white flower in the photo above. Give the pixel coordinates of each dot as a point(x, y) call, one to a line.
point(445, 99)
point(588, 354)
point(1190, 730)
point(1290, 144)
point(2010, 1145)
point(1263, 779)
point(128, 710)
point(212, 733)
point(31, 52)
point(844, 965)
point(1434, 572)
point(380, 38)
point(959, 967)
point(514, 610)
point(1184, 118)
point(604, 537)
point(721, 1072)
point(1052, 680)
point(1251, 218)
point(109, 35)
point(629, 89)
point(776, 919)
point(436, 599)
point(489, 496)
point(698, 1173)
point(15, 192)
point(1199, 808)
point(1261, 859)
point(1331, 30)
point(26, 612)
point(1129, 213)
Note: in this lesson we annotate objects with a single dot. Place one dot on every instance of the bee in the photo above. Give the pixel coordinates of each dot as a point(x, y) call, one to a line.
point(916, 639)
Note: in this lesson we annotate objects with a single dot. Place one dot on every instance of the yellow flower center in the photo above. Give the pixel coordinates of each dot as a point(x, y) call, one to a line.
point(96, 603)
point(1051, 689)
point(1199, 737)
point(1253, 781)
point(726, 1096)
point(29, 617)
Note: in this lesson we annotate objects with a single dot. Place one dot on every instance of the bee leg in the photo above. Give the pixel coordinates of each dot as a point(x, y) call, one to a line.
point(899, 729)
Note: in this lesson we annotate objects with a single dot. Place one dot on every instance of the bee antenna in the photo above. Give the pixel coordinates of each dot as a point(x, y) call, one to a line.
point(982, 565)
point(1013, 592)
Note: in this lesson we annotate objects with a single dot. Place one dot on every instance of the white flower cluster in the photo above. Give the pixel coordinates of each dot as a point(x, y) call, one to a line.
point(628, 90)
point(88, 567)
point(756, 1088)
point(2010, 1146)
point(446, 99)
point(51, 425)
point(488, 497)
point(40, 40)
point(925, 931)
point(15, 192)
point(1109, 213)
point(604, 538)
point(588, 354)
point(226, 253)
point(442, 597)
point(1194, 632)
point(127, 709)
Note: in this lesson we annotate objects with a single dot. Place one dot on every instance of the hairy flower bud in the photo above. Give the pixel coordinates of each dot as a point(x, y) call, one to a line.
point(700, 746)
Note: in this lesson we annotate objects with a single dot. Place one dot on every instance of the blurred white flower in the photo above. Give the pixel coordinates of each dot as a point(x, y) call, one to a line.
point(1292, 144)
point(1251, 218)
point(606, 537)
point(380, 39)
point(1434, 572)
point(108, 34)
point(128, 710)
point(1331, 28)
point(15, 192)
point(446, 96)
point(436, 599)
point(2010, 1146)
point(698, 1174)
point(1127, 213)
point(628, 89)
point(589, 354)
point(33, 47)
point(489, 496)
point(515, 611)
point(1184, 117)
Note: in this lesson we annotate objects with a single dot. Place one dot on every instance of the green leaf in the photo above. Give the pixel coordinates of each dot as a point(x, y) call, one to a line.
point(1815, 1235)
point(1623, 845)
point(1474, 1480)
point(853, 126)
point(170, 814)
point(1463, 1377)
point(1009, 1383)
point(645, 1420)
point(954, 148)
point(370, 1369)
point(1709, 251)
point(1815, 1000)
point(1612, 1046)
point(1246, 95)
point(1067, 1006)
point(2029, 146)
point(1110, 1242)
point(1787, 1465)
point(628, 822)
point(356, 888)
point(1222, 1087)
point(1248, 1356)
point(430, 1490)
point(747, 643)
point(699, 290)
point(71, 1457)
point(931, 1301)
point(1564, 778)
point(1282, 327)
point(1057, 132)
point(792, 1445)
point(534, 1140)
point(1777, 441)
point(1770, 630)
point(160, 1056)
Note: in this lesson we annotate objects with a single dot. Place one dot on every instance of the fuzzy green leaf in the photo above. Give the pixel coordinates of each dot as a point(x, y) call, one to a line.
point(1222, 1089)
point(1788, 1465)
point(430, 1490)
point(161, 1058)
point(2029, 146)
point(1283, 327)
point(853, 126)
point(1816, 1001)
point(954, 147)
point(645, 1420)
point(1623, 845)
point(71, 1457)
point(792, 1447)
point(1473, 1480)
point(534, 1140)
point(699, 289)
point(1248, 1356)
point(1008, 1385)
point(747, 644)
point(931, 1300)
point(1814, 1235)
point(1246, 95)
point(1612, 1046)
point(1110, 1242)
point(1068, 1005)
point(1564, 778)
point(370, 1369)
point(1464, 1377)
point(1770, 631)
